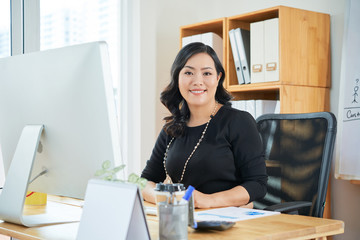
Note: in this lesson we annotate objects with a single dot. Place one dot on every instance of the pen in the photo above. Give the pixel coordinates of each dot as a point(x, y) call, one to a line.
point(185, 199)
point(187, 195)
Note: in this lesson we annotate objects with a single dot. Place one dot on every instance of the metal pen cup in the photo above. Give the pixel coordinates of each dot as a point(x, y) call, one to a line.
point(173, 221)
point(169, 192)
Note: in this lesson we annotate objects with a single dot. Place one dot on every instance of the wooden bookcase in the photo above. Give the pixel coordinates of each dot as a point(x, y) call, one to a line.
point(304, 58)
point(217, 26)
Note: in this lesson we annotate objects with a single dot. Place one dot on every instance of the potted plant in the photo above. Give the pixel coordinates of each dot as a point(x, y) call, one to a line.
point(109, 173)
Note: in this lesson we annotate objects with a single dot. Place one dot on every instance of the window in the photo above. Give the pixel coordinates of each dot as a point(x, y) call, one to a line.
point(5, 28)
point(70, 22)
point(45, 24)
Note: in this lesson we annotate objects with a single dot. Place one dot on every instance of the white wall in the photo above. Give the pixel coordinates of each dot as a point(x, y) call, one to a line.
point(160, 23)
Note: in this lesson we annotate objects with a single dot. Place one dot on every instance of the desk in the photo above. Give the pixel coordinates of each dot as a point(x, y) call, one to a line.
point(280, 226)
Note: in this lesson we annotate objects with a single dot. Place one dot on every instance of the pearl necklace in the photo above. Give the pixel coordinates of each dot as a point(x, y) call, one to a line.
point(168, 178)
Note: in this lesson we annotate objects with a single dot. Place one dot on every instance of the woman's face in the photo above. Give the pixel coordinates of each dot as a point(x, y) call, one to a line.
point(198, 80)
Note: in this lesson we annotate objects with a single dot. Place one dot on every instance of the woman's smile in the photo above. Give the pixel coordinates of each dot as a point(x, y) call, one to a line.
point(197, 91)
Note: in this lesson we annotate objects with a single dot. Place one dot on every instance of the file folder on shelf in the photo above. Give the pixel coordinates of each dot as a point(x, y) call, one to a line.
point(215, 41)
point(239, 104)
point(257, 51)
point(191, 39)
point(236, 57)
point(257, 107)
point(211, 39)
point(264, 38)
point(271, 56)
point(265, 106)
point(242, 38)
point(250, 107)
point(186, 40)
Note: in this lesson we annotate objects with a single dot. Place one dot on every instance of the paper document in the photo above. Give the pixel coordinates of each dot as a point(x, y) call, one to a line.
point(231, 214)
point(150, 210)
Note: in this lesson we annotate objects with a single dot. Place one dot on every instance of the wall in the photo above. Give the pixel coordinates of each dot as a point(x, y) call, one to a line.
point(160, 22)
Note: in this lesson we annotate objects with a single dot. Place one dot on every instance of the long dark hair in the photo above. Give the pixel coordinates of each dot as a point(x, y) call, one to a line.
point(171, 96)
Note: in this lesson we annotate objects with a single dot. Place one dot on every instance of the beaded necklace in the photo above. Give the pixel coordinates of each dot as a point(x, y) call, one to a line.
point(168, 178)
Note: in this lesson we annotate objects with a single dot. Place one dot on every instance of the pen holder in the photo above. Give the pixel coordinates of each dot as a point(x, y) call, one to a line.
point(169, 193)
point(173, 221)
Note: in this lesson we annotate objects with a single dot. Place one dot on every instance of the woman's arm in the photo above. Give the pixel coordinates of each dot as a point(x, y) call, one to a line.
point(249, 163)
point(201, 200)
point(249, 157)
point(154, 169)
point(148, 192)
point(237, 196)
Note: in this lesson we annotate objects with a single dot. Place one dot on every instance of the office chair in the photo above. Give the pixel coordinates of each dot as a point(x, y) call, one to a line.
point(298, 151)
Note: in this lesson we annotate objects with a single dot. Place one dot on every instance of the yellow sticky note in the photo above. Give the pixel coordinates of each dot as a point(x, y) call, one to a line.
point(35, 198)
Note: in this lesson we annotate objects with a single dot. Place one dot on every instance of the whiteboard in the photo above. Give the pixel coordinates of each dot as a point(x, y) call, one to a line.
point(348, 152)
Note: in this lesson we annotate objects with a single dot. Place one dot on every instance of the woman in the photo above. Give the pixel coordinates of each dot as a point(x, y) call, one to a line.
point(206, 143)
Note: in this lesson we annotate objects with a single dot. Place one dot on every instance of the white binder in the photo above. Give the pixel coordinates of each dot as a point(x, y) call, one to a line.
point(242, 38)
point(271, 56)
point(250, 107)
point(236, 57)
point(196, 38)
point(257, 52)
point(214, 41)
point(112, 210)
point(211, 39)
point(239, 104)
point(264, 47)
point(264, 106)
point(186, 40)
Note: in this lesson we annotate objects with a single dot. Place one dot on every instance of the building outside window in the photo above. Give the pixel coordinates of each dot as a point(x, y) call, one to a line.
point(4, 28)
point(68, 22)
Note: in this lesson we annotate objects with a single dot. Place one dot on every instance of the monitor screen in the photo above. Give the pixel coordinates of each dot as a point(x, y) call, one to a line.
point(70, 92)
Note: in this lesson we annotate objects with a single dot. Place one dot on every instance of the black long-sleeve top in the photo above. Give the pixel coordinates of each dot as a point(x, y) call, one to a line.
point(229, 155)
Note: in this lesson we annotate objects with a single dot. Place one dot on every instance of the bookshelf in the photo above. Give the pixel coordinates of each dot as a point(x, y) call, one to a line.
point(304, 58)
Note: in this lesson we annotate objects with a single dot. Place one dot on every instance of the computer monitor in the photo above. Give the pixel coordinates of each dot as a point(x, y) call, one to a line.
point(57, 115)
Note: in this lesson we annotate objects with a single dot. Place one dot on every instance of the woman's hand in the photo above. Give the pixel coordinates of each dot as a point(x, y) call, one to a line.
point(249, 205)
point(237, 196)
point(148, 192)
point(201, 200)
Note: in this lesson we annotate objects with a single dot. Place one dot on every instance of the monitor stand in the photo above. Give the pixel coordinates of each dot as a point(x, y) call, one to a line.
point(13, 194)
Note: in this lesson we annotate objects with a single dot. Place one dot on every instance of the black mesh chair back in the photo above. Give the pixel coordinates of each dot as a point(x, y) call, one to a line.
point(298, 151)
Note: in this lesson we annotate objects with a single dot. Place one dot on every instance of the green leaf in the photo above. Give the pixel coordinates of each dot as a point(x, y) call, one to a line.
point(100, 172)
point(142, 183)
point(133, 178)
point(119, 180)
point(106, 164)
point(109, 174)
point(117, 169)
point(108, 178)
